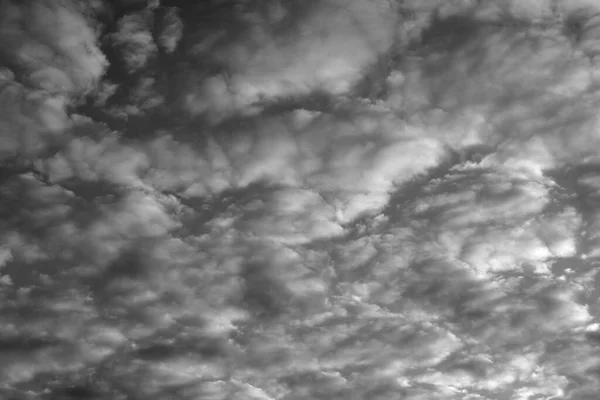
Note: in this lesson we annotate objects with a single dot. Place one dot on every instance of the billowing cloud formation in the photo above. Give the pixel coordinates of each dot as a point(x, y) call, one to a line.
point(50, 57)
point(134, 41)
point(284, 52)
point(299, 200)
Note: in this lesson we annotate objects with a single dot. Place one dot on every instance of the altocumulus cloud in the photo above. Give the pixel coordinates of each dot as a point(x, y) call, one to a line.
point(299, 200)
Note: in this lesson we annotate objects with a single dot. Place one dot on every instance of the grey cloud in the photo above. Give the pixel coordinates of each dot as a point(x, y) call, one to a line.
point(56, 47)
point(53, 58)
point(288, 238)
point(263, 65)
point(171, 30)
point(31, 121)
point(134, 41)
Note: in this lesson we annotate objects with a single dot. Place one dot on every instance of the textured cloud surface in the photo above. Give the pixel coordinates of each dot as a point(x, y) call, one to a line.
point(299, 200)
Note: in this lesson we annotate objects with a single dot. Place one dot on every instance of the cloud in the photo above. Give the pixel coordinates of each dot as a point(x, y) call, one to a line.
point(48, 62)
point(134, 41)
point(299, 200)
point(171, 30)
point(56, 51)
point(335, 42)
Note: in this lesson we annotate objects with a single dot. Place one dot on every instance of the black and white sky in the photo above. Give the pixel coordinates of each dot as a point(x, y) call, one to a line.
point(300, 199)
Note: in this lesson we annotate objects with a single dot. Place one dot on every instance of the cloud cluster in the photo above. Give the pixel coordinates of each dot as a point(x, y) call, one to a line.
point(49, 58)
point(292, 200)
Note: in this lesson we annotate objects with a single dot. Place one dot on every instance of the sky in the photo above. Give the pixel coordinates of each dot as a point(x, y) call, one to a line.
point(288, 200)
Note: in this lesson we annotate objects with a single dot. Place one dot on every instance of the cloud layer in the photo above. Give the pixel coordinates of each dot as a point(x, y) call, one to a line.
point(299, 200)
